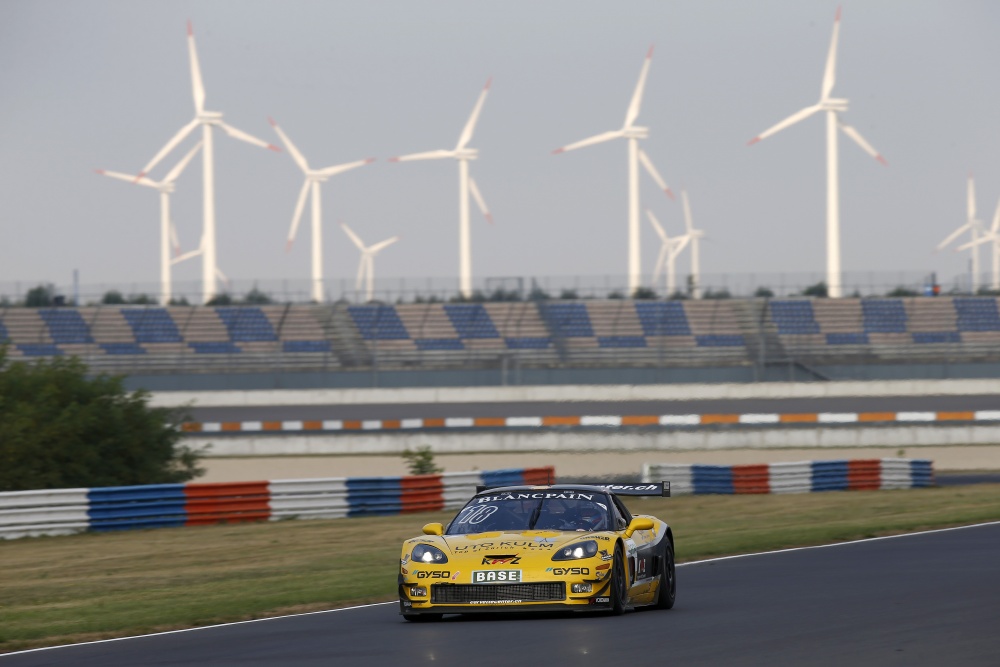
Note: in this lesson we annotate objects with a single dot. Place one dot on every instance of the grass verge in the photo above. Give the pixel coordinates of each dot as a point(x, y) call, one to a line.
point(59, 590)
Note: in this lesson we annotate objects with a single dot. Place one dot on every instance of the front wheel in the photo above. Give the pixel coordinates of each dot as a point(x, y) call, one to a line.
point(619, 583)
point(668, 579)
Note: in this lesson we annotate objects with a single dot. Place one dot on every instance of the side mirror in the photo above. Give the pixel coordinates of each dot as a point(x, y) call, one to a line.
point(438, 529)
point(638, 523)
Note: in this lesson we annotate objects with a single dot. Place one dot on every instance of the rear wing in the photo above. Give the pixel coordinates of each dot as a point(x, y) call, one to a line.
point(661, 489)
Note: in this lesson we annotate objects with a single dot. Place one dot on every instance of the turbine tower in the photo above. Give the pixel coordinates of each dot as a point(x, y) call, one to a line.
point(635, 156)
point(466, 186)
point(992, 235)
point(313, 179)
point(366, 267)
point(832, 106)
point(975, 228)
point(694, 235)
point(168, 233)
point(207, 120)
point(669, 250)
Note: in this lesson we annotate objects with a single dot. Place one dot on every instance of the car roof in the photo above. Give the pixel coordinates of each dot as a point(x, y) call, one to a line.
point(521, 488)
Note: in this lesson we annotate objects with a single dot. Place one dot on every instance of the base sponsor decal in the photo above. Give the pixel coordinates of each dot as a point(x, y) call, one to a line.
point(495, 576)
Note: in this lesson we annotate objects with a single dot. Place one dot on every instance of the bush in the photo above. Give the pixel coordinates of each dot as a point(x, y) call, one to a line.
point(763, 293)
point(40, 297)
point(257, 298)
point(644, 293)
point(61, 429)
point(113, 298)
point(222, 299)
point(421, 462)
point(818, 290)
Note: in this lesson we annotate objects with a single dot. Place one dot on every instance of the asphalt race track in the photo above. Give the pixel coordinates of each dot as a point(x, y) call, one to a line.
point(557, 408)
point(926, 599)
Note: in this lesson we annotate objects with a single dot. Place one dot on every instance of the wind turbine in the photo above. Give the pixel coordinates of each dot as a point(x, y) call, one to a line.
point(669, 250)
point(975, 227)
point(313, 179)
point(990, 235)
point(466, 186)
point(168, 233)
point(366, 267)
point(207, 120)
point(832, 106)
point(694, 235)
point(635, 156)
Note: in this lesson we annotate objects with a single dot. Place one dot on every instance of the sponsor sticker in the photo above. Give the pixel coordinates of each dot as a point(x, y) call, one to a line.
point(495, 602)
point(602, 600)
point(505, 544)
point(439, 574)
point(497, 559)
point(605, 555)
point(495, 576)
point(560, 571)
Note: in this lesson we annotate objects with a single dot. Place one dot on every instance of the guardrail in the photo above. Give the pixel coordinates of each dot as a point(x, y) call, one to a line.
point(793, 477)
point(68, 511)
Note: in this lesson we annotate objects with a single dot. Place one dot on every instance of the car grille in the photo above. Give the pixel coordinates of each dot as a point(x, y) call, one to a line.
point(468, 593)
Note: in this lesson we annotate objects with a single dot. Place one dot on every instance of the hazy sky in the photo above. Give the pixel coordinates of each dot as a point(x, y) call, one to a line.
point(104, 84)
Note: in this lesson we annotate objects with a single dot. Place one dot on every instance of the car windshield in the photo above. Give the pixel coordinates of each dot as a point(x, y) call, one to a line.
point(533, 510)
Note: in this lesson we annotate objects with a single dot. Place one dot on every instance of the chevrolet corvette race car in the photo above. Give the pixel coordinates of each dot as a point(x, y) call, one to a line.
point(564, 547)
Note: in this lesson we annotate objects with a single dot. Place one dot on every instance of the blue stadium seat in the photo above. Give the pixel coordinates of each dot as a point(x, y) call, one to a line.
point(66, 326)
point(621, 341)
point(884, 315)
point(246, 324)
point(471, 320)
point(378, 322)
point(937, 337)
point(224, 347)
point(438, 344)
point(40, 350)
point(794, 317)
point(152, 325)
point(977, 314)
point(122, 348)
point(721, 340)
point(567, 320)
point(306, 346)
point(663, 318)
point(849, 338)
point(528, 343)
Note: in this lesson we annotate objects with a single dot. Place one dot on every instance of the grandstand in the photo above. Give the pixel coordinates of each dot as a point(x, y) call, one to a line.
point(611, 333)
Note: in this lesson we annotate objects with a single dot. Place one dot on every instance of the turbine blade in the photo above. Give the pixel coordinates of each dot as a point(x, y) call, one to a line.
point(474, 189)
point(292, 150)
point(180, 166)
point(791, 120)
point(197, 86)
point(860, 141)
point(175, 242)
point(657, 226)
point(830, 73)
point(970, 199)
point(954, 235)
point(688, 225)
point(980, 241)
point(636, 103)
point(222, 276)
point(341, 168)
point(186, 256)
point(590, 141)
point(654, 174)
point(169, 146)
point(354, 237)
point(140, 180)
point(297, 216)
point(382, 244)
point(470, 125)
point(429, 155)
point(249, 138)
point(680, 243)
point(660, 260)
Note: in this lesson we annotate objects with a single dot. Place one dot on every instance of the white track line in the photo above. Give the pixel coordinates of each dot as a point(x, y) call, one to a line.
point(379, 604)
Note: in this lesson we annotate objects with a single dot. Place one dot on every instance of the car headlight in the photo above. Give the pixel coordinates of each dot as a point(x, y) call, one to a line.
point(577, 550)
point(425, 553)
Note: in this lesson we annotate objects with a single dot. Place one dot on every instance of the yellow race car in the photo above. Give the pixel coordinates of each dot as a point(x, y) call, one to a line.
point(566, 547)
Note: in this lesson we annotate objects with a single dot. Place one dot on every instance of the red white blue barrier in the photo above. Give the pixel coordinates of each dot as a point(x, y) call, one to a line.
point(793, 477)
point(67, 511)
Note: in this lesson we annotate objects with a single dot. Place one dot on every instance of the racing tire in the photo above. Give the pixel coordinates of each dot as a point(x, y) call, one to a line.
point(422, 618)
point(619, 583)
point(667, 590)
